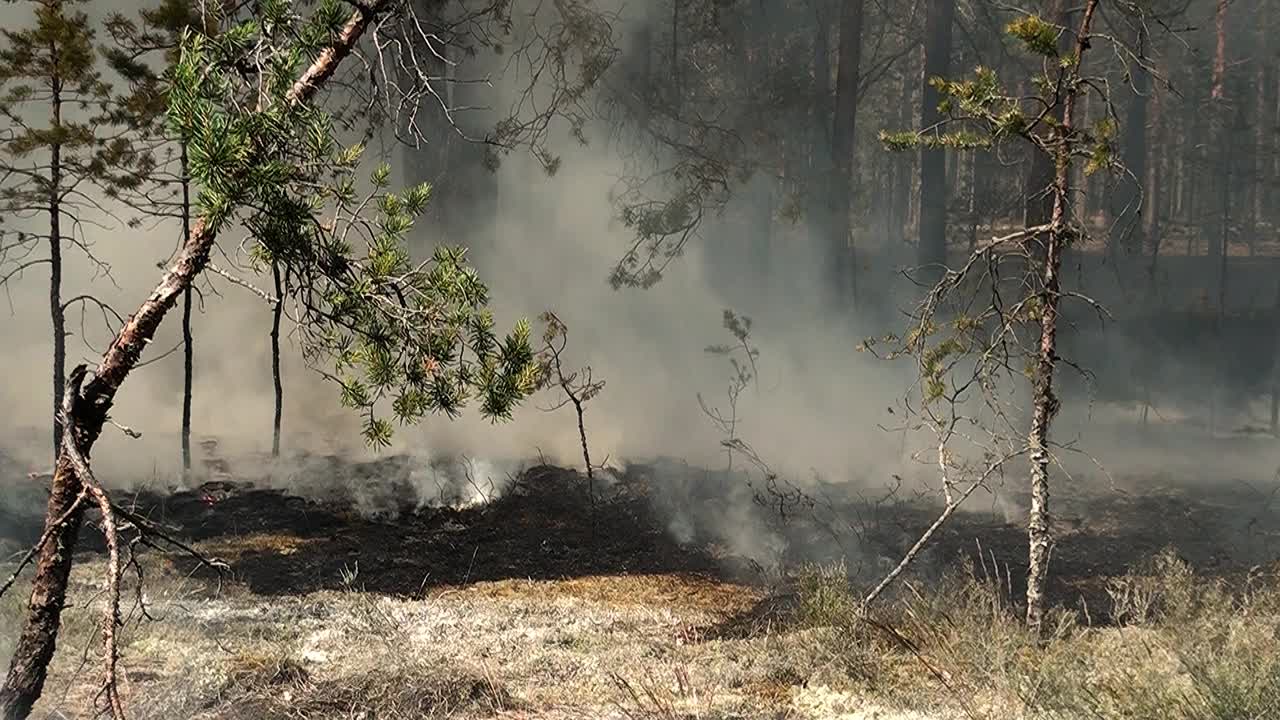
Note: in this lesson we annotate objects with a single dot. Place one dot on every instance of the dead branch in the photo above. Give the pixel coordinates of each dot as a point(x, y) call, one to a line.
point(236, 280)
point(44, 538)
point(953, 503)
point(111, 615)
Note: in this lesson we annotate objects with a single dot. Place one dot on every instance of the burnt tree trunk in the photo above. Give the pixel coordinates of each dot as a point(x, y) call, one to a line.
point(276, 311)
point(57, 313)
point(37, 641)
point(188, 346)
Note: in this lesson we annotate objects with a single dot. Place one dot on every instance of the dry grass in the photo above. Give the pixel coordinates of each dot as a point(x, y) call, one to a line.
point(495, 630)
point(649, 648)
point(1187, 649)
point(12, 606)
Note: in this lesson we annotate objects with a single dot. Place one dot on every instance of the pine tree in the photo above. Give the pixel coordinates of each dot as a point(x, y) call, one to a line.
point(62, 142)
point(953, 333)
point(400, 336)
point(158, 182)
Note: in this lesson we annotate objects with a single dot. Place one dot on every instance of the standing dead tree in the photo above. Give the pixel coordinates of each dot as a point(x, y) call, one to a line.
point(993, 321)
point(579, 387)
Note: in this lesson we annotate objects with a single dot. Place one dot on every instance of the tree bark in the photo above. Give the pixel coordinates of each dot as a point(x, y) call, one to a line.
point(57, 313)
point(842, 137)
point(188, 348)
point(932, 250)
point(1044, 400)
point(38, 639)
point(276, 312)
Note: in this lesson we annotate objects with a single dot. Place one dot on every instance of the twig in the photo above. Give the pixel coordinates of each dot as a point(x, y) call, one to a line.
point(211, 267)
point(44, 538)
point(952, 504)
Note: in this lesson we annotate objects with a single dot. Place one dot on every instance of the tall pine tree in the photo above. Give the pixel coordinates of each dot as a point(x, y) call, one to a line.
point(159, 180)
point(62, 141)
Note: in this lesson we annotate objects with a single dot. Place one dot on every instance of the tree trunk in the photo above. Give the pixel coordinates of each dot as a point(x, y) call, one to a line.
point(1220, 54)
point(1275, 367)
point(821, 158)
point(276, 312)
point(35, 646)
point(841, 187)
point(900, 204)
point(1224, 230)
point(1220, 134)
point(675, 53)
point(1128, 201)
point(1155, 191)
point(1257, 187)
point(188, 348)
point(37, 641)
point(57, 313)
point(1044, 400)
point(977, 196)
point(932, 250)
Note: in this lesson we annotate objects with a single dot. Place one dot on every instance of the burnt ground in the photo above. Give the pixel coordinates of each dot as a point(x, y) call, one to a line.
point(535, 604)
point(547, 527)
point(544, 528)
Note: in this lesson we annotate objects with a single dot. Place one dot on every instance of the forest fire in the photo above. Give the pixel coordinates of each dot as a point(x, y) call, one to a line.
point(914, 359)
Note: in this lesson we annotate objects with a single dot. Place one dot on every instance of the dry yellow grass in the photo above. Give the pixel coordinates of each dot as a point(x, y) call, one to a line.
point(662, 646)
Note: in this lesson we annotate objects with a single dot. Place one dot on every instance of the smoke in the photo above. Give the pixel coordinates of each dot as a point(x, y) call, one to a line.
point(550, 245)
point(817, 410)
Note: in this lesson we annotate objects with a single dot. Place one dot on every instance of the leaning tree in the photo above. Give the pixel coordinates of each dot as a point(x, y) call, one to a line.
point(401, 337)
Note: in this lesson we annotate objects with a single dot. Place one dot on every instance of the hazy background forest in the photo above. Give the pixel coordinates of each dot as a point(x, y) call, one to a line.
point(648, 171)
point(756, 85)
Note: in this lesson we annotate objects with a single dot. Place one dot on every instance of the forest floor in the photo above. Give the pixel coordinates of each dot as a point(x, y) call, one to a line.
point(546, 604)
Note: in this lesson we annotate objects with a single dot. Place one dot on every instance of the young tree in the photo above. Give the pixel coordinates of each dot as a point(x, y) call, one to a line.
point(388, 329)
point(159, 183)
point(61, 142)
point(965, 347)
